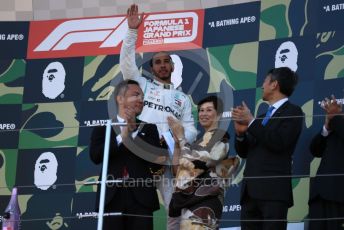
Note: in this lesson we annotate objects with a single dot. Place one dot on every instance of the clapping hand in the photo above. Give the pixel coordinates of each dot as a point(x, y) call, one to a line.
point(241, 116)
point(332, 108)
point(176, 127)
point(130, 118)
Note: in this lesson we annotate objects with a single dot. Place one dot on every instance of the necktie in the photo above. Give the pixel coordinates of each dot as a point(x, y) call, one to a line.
point(267, 115)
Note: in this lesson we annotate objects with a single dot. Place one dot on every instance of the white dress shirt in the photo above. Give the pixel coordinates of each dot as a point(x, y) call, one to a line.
point(119, 137)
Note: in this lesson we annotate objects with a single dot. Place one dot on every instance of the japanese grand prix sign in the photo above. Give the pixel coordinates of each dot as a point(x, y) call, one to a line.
point(98, 36)
point(171, 31)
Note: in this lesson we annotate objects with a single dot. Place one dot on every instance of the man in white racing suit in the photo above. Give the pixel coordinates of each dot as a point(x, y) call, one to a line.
point(161, 99)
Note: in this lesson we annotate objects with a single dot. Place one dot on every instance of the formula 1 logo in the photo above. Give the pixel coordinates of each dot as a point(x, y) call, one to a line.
point(87, 30)
point(77, 37)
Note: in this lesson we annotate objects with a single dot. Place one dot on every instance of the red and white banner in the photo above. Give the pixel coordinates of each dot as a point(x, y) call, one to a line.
point(171, 31)
point(103, 35)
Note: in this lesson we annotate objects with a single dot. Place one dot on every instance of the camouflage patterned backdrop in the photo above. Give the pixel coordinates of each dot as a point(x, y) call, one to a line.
point(51, 118)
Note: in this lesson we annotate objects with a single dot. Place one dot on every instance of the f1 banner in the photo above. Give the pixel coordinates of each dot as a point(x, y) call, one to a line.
point(97, 36)
point(171, 31)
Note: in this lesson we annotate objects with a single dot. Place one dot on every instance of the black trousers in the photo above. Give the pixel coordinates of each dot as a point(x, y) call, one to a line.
point(265, 211)
point(135, 215)
point(320, 208)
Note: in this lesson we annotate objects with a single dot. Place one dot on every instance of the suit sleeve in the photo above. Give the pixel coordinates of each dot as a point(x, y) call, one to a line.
point(318, 145)
point(282, 137)
point(241, 146)
point(127, 61)
point(319, 142)
point(337, 126)
point(96, 147)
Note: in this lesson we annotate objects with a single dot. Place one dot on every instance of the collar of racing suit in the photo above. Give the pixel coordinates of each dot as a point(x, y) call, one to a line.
point(163, 85)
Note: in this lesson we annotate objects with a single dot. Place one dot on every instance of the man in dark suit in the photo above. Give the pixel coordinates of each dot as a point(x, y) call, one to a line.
point(267, 143)
point(326, 199)
point(133, 150)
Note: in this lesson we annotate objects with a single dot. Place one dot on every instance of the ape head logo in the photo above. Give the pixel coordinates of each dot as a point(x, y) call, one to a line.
point(53, 82)
point(286, 56)
point(45, 171)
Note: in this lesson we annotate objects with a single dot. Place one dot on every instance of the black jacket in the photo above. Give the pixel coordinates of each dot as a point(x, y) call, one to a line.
point(137, 159)
point(268, 151)
point(331, 150)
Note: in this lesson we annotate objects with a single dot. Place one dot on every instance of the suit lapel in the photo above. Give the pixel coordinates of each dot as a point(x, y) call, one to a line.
point(140, 127)
point(278, 113)
point(281, 109)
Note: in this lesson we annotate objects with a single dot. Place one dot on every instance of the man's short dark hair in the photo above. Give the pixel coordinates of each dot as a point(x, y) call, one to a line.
point(122, 87)
point(217, 102)
point(286, 78)
point(151, 60)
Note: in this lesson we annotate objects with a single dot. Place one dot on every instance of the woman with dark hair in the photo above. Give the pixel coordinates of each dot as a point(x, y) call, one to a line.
point(202, 170)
